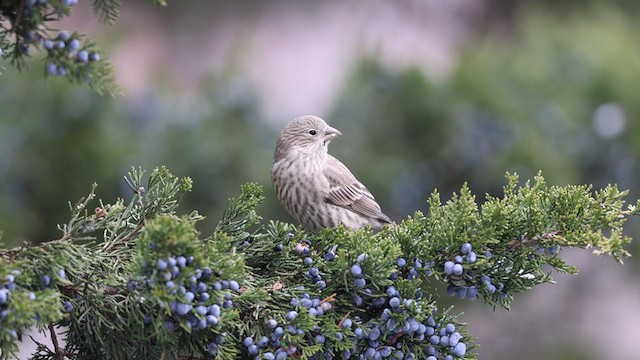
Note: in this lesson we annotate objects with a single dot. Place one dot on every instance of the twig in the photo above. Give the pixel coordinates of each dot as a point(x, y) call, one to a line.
point(18, 16)
point(396, 337)
point(344, 318)
point(54, 340)
point(130, 236)
point(18, 249)
point(533, 241)
point(329, 298)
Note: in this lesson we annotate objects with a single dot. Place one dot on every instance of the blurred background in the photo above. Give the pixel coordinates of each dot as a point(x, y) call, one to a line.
point(428, 94)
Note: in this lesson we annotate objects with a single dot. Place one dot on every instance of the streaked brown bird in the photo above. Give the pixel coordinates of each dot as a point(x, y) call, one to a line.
point(315, 187)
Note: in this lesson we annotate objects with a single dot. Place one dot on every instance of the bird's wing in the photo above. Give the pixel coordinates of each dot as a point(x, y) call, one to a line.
point(346, 191)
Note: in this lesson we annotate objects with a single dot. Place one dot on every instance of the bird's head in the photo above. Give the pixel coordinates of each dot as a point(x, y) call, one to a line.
point(306, 134)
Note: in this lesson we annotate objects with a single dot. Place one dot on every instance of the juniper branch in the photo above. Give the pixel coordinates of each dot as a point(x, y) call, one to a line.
point(122, 292)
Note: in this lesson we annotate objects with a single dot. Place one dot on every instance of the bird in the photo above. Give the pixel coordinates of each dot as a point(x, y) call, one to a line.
point(314, 187)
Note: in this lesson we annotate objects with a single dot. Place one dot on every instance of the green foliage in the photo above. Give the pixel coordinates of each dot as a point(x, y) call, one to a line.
point(133, 279)
point(519, 233)
point(107, 11)
point(26, 304)
point(86, 273)
point(240, 214)
point(168, 237)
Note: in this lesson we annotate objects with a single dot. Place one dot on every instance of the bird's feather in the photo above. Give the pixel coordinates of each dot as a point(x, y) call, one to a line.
point(346, 191)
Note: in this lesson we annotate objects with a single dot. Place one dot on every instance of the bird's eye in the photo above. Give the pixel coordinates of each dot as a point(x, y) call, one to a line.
point(312, 132)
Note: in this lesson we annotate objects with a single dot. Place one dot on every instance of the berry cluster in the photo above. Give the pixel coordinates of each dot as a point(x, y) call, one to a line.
point(404, 272)
point(467, 282)
point(275, 340)
point(283, 339)
point(66, 46)
point(455, 270)
point(548, 251)
point(253, 347)
point(412, 272)
point(315, 306)
point(394, 321)
point(303, 248)
point(284, 335)
point(397, 332)
point(491, 288)
point(314, 274)
point(446, 337)
point(197, 299)
point(32, 13)
point(8, 287)
point(466, 255)
point(65, 54)
point(274, 346)
point(7, 291)
point(356, 270)
point(47, 280)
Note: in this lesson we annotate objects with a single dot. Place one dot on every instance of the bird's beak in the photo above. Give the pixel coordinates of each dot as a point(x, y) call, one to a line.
point(330, 133)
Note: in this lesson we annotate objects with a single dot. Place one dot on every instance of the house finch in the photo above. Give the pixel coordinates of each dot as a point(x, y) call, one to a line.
point(315, 187)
